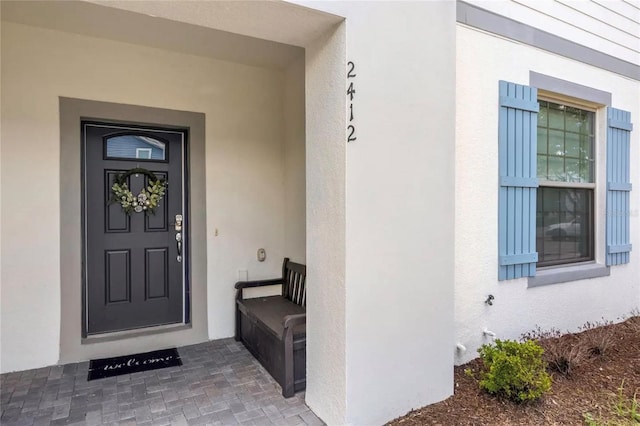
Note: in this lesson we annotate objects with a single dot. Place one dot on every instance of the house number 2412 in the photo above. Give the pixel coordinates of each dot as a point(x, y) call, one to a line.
point(351, 91)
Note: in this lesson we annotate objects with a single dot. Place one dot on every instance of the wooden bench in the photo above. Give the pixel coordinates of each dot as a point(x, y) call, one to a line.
point(274, 328)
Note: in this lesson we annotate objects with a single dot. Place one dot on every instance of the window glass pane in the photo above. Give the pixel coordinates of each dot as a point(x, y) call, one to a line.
point(556, 169)
point(586, 158)
point(135, 147)
point(572, 145)
point(574, 119)
point(556, 142)
point(589, 119)
point(568, 141)
point(586, 172)
point(542, 115)
point(542, 166)
point(565, 225)
point(556, 116)
point(585, 146)
point(572, 170)
point(550, 204)
point(542, 140)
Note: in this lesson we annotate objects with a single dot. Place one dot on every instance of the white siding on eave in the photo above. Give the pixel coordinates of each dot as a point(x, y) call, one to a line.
point(609, 26)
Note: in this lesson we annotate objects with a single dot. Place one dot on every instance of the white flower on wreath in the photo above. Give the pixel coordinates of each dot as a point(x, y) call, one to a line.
point(147, 200)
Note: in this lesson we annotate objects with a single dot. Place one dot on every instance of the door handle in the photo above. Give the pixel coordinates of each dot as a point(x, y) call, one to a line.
point(179, 244)
point(178, 227)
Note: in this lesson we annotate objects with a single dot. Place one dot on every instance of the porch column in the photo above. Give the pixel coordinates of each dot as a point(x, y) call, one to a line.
point(380, 247)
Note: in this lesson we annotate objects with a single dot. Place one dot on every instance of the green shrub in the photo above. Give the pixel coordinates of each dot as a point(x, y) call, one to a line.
point(514, 370)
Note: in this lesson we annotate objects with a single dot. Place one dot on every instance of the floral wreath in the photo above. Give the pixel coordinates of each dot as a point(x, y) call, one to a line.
point(146, 201)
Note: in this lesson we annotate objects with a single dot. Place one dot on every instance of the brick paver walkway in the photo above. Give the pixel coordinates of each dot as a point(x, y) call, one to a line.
point(219, 383)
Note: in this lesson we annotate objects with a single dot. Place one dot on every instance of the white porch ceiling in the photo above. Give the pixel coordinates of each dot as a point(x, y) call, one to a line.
point(235, 31)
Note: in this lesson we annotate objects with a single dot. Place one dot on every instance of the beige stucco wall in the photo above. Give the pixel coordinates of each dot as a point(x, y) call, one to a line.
point(244, 110)
point(294, 162)
point(378, 212)
point(482, 60)
point(325, 157)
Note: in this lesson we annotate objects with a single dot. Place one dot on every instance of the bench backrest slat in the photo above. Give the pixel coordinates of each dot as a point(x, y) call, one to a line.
point(293, 286)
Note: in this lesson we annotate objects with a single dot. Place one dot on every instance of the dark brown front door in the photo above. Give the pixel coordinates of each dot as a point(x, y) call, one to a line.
point(134, 263)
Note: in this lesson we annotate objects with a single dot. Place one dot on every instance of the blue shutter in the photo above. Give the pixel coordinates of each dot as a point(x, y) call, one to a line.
point(618, 185)
point(517, 141)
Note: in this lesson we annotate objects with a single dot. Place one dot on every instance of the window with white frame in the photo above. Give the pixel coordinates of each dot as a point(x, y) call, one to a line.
point(547, 180)
point(143, 153)
point(565, 169)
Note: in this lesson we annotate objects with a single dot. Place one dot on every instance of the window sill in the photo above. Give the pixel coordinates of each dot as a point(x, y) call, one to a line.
point(563, 274)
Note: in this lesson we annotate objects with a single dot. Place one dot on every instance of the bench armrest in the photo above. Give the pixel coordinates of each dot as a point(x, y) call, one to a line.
point(291, 321)
point(257, 283)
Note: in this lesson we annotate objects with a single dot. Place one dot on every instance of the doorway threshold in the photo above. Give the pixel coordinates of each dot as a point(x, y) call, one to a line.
point(128, 334)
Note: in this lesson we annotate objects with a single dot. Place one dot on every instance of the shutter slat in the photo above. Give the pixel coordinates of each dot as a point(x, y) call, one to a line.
point(626, 248)
point(533, 171)
point(517, 201)
point(627, 197)
point(619, 186)
point(520, 104)
point(618, 123)
point(517, 134)
point(518, 259)
point(518, 181)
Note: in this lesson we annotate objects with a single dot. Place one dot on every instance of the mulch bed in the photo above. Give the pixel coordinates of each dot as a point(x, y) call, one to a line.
point(591, 388)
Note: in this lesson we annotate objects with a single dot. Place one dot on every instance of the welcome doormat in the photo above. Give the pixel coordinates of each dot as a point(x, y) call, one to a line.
point(109, 367)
